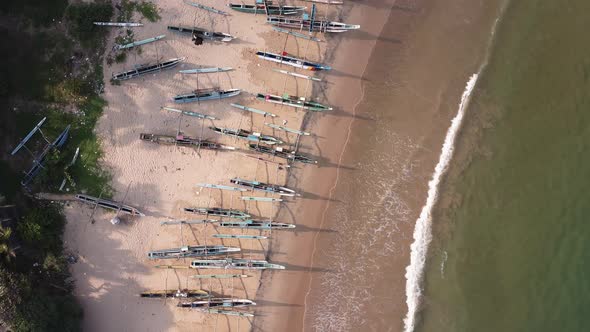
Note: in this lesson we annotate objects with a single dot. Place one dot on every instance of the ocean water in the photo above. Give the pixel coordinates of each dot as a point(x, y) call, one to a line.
point(511, 230)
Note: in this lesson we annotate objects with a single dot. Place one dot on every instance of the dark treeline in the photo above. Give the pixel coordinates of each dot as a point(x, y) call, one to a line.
point(51, 67)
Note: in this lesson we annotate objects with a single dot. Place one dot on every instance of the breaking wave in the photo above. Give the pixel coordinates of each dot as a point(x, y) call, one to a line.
point(422, 230)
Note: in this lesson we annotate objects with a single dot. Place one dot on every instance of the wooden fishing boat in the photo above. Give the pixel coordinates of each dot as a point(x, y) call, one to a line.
point(255, 224)
point(307, 24)
point(238, 264)
point(177, 294)
point(39, 158)
point(261, 186)
point(292, 61)
point(191, 251)
point(205, 94)
point(218, 212)
point(227, 312)
point(267, 9)
point(282, 153)
point(248, 135)
point(202, 34)
point(146, 69)
point(187, 222)
point(183, 140)
point(217, 302)
point(294, 101)
point(108, 204)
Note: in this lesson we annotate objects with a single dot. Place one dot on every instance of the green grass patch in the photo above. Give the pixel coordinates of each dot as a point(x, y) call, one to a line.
point(147, 9)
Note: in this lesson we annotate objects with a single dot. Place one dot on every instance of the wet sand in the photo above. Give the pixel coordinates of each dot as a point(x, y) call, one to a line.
point(360, 228)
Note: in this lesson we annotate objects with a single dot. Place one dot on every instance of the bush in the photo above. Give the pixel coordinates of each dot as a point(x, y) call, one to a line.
point(45, 312)
point(41, 228)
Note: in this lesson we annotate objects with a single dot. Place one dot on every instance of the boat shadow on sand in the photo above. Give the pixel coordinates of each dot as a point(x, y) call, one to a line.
point(300, 268)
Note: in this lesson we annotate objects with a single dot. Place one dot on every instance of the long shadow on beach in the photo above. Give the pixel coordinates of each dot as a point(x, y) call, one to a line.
point(268, 303)
point(292, 267)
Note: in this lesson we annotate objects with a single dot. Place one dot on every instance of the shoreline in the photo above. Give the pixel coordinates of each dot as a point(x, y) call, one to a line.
point(320, 182)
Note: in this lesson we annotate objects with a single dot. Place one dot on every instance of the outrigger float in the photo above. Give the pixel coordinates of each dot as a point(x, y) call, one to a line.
point(199, 34)
point(220, 276)
point(217, 302)
point(139, 43)
point(254, 110)
point(290, 73)
point(190, 113)
point(261, 199)
point(183, 140)
point(240, 236)
point(220, 186)
point(282, 153)
point(146, 69)
point(191, 251)
point(292, 61)
point(261, 186)
point(177, 294)
point(108, 204)
point(238, 264)
point(187, 222)
point(247, 135)
point(205, 94)
point(294, 101)
point(255, 224)
point(229, 213)
point(206, 70)
point(267, 8)
point(289, 130)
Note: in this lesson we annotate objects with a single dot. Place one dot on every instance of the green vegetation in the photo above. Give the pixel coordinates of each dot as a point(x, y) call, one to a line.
point(81, 18)
point(35, 291)
point(148, 10)
point(55, 72)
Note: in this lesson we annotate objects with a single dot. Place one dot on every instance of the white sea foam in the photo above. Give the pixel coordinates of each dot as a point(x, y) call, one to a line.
point(422, 230)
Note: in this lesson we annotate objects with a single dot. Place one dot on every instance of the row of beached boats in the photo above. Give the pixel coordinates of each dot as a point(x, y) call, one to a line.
point(150, 68)
point(206, 257)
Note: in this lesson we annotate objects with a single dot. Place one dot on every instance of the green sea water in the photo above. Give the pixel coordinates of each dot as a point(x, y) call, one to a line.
point(511, 233)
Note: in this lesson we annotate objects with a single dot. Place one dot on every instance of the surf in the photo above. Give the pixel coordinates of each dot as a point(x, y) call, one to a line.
point(423, 228)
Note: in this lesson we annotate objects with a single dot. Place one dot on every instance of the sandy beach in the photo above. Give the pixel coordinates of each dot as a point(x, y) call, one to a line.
point(113, 266)
point(427, 79)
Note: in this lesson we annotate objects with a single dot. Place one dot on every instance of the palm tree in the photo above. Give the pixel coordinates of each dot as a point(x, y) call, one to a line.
point(5, 249)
